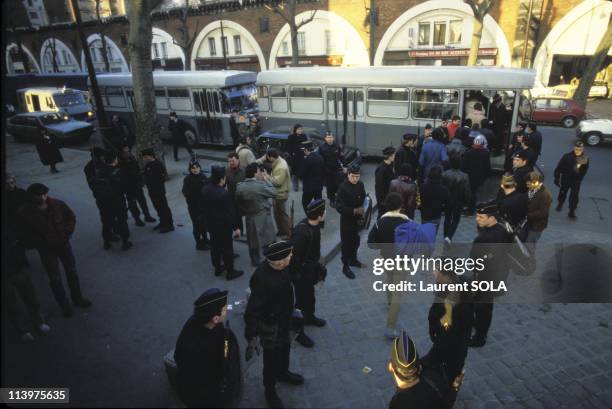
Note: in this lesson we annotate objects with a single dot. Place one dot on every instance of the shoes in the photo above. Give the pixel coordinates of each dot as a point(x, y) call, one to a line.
point(572, 214)
point(157, 227)
point(391, 333)
point(356, 263)
point(67, 311)
point(107, 245)
point(291, 378)
point(273, 399)
point(82, 303)
point(166, 229)
point(234, 274)
point(304, 340)
point(348, 272)
point(477, 342)
point(139, 222)
point(447, 240)
point(219, 271)
point(202, 245)
point(27, 337)
point(559, 207)
point(126, 245)
point(44, 328)
point(149, 219)
point(314, 321)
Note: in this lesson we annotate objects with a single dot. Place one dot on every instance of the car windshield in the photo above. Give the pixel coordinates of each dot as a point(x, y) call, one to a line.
point(50, 119)
point(69, 99)
point(240, 98)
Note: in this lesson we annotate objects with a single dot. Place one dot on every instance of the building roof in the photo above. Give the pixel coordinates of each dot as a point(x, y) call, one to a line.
point(183, 78)
point(403, 76)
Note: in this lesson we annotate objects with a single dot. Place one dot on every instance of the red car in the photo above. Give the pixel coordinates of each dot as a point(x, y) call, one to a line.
point(557, 110)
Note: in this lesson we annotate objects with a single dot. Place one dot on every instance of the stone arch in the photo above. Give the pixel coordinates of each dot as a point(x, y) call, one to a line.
point(489, 25)
point(117, 61)
point(357, 52)
point(175, 51)
point(542, 62)
point(32, 61)
point(63, 51)
point(202, 35)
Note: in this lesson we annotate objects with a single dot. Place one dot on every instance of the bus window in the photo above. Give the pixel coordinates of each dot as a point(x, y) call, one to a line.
point(306, 100)
point(359, 102)
point(434, 103)
point(263, 98)
point(331, 107)
point(196, 101)
point(216, 99)
point(179, 99)
point(114, 97)
point(279, 99)
point(350, 103)
point(388, 102)
point(161, 102)
point(240, 98)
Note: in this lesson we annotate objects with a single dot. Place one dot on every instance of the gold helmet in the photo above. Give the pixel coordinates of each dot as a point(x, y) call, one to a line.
point(405, 365)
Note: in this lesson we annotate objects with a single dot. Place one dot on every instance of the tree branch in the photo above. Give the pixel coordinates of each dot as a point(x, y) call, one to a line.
point(277, 10)
point(308, 20)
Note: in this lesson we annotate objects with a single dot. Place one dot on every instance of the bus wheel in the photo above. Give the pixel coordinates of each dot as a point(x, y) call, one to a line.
point(190, 137)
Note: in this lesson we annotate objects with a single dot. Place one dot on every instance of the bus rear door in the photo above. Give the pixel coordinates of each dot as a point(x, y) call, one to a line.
point(354, 114)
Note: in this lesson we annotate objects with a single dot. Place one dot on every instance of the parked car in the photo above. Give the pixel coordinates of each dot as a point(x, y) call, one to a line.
point(277, 138)
point(550, 109)
point(594, 131)
point(26, 127)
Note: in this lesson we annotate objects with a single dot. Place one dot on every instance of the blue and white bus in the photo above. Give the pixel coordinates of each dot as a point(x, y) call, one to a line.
point(204, 99)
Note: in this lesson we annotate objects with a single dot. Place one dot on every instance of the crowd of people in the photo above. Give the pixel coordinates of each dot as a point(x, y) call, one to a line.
point(440, 175)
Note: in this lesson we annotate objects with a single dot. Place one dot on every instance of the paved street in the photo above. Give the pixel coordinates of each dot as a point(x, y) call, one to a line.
point(556, 356)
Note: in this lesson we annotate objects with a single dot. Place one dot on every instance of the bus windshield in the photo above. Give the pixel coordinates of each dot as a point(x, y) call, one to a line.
point(240, 98)
point(69, 99)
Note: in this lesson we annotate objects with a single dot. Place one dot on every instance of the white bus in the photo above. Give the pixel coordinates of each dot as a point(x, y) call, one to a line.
point(204, 99)
point(372, 107)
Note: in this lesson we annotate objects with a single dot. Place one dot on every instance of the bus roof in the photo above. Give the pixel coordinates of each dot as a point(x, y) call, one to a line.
point(183, 78)
point(48, 89)
point(403, 76)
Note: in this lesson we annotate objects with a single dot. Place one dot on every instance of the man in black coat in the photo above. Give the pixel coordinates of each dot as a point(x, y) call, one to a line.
point(498, 114)
point(512, 204)
point(307, 269)
point(435, 198)
point(178, 127)
point(193, 184)
point(48, 148)
point(458, 185)
point(569, 173)
point(491, 245)
point(131, 181)
point(520, 170)
point(296, 155)
point(268, 318)
point(219, 213)
point(349, 203)
point(155, 179)
point(476, 162)
point(531, 131)
point(312, 174)
point(332, 158)
point(383, 176)
point(407, 154)
point(202, 354)
point(111, 202)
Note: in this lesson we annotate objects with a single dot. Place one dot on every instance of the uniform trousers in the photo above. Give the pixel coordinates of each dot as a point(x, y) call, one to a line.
point(305, 294)
point(331, 185)
point(573, 188)
point(483, 315)
point(222, 248)
point(160, 203)
point(114, 220)
point(275, 364)
point(137, 198)
point(349, 236)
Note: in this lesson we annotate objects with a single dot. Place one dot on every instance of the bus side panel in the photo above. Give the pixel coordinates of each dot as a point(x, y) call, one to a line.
point(380, 135)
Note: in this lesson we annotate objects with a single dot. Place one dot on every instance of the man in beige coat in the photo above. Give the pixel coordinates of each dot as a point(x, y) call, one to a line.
point(281, 180)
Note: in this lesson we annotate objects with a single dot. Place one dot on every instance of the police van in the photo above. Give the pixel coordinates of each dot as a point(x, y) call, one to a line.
point(72, 102)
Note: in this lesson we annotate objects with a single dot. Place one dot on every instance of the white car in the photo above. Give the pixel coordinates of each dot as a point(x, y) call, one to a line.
point(594, 131)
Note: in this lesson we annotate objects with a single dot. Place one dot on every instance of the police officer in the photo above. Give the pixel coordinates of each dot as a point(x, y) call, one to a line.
point(155, 179)
point(268, 318)
point(349, 203)
point(296, 156)
point(520, 170)
point(193, 184)
point(420, 383)
point(306, 266)
point(111, 202)
point(407, 154)
point(221, 223)
point(489, 246)
point(569, 173)
point(512, 204)
point(312, 174)
point(332, 157)
point(253, 201)
point(384, 174)
point(177, 128)
point(131, 181)
point(207, 355)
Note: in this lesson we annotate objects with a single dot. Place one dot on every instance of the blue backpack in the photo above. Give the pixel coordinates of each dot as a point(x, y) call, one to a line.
point(414, 238)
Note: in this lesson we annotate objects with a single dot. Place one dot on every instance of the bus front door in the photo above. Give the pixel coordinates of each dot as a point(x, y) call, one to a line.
point(215, 126)
point(201, 115)
point(353, 116)
point(336, 113)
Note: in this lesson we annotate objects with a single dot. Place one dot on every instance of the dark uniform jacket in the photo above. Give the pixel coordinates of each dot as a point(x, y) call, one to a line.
point(192, 189)
point(349, 197)
point(270, 306)
point(406, 155)
point(429, 393)
point(155, 177)
point(492, 242)
point(477, 164)
point(313, 172)
point(383, 176)
point(131, 176)
point(538, 209)
point(306, 251)
point(218, 209)
point(536, 141)
point(107, 189)
point(296, 155)
point(520, 177)
point(48, 228)
point(513, 207)
point(435, 199)
point(568, 171)
point(332, 157)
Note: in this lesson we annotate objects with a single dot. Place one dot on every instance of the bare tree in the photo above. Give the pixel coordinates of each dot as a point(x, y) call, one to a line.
point(480, 8)
point(102, 25)
point(53, 55)
point(287, 9)
point(187, 38)
point(139, 45)
point(593, 67)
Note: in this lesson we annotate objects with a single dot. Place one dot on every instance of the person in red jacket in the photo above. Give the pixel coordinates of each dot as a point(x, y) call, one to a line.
point(48, 225)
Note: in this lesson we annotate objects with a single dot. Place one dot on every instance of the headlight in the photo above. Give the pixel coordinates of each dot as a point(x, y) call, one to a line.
point(66, 118)
point(89, 113)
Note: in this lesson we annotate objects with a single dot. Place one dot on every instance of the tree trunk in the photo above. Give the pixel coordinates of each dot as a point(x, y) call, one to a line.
point(595, 63)
point(187, 64)
point(139, 45)
point(104, 52)
point(476, 37)
point(295, 52)
point(54, 55)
